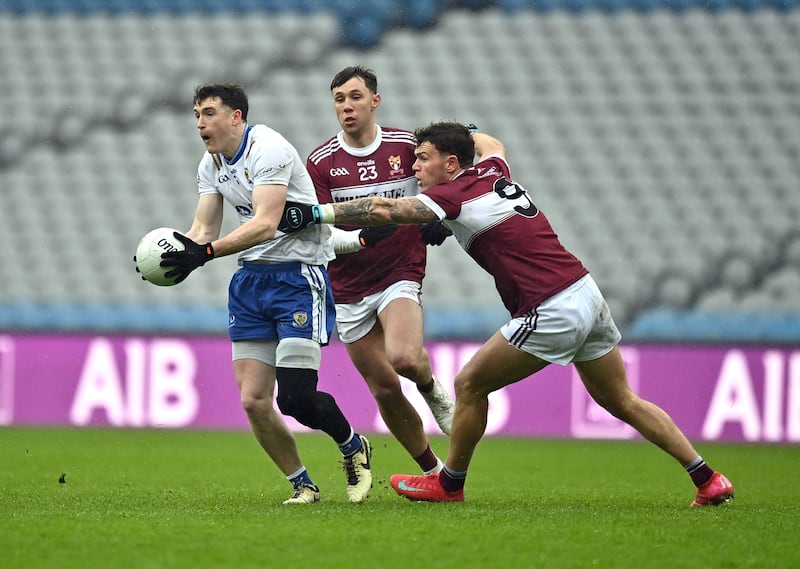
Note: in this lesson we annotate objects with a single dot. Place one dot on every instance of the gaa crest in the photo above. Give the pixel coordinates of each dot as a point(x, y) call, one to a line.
point(395, 162)
point(300, 319)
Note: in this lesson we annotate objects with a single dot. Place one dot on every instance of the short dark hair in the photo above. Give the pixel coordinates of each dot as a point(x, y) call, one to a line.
point(449, 138)
point(232, 96)
point(368, 75)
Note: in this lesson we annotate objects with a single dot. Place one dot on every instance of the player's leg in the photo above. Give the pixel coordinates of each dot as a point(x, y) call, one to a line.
point(606, 382)
point(256, 382)
point(400, 315)
point(303, 309)
point(599, 363)
point(254, 367)
point(401, 320)
point(297, 365)
point(363, 334)
point(495, 365)
point(400, 416)
point(601, 368)
point(522, 347)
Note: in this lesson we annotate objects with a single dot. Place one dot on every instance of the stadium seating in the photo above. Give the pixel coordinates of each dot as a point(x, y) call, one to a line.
point(663, 144)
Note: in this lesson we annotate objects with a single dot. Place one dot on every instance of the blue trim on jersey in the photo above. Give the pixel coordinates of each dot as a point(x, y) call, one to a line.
point(241, 148)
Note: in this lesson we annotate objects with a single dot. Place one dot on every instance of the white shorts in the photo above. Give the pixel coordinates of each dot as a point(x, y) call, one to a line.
point(574, 325)
point(355, 320)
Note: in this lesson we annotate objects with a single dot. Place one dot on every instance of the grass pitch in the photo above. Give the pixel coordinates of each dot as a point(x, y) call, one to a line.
point(172, 499)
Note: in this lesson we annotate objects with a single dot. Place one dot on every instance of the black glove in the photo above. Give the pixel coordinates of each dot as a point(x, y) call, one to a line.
point(435, 232)
point(298, 216)
point(370, 236)
point(193, 255)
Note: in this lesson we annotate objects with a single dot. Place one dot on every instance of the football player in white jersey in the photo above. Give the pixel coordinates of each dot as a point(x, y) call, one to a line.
point(280, 302)
point(558, 314)
point(377, 284)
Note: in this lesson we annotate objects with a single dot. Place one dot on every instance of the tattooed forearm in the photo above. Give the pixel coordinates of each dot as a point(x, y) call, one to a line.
point(380, 211)
point(359, 212)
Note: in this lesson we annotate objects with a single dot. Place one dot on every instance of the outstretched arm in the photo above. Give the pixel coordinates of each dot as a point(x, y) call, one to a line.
point(364, 212)
point(379, 211)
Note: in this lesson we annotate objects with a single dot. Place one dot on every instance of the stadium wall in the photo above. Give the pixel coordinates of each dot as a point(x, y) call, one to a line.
point(731, 393)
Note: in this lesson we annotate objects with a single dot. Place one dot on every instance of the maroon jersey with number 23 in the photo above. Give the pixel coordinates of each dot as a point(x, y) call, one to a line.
point(341, 173)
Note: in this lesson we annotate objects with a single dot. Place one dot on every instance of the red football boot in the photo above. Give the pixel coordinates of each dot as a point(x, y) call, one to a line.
point(424, 488)
point(716, 491)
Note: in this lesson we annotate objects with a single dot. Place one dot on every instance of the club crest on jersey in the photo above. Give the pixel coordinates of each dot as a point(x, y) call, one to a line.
point(396, 163)
point(247, 176)
point(300, 319)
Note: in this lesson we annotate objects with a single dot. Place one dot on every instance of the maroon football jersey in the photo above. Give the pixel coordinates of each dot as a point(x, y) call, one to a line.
point(497, 223)
point(341, 173)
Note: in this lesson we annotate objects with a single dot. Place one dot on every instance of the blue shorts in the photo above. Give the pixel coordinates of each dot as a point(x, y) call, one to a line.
point(281, 300)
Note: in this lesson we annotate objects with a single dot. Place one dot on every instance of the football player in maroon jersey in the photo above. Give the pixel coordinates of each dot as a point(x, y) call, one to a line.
point(376, 280)
point(558, 314)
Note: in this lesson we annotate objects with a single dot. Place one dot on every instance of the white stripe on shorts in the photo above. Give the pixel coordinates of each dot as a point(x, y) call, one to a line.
point(316, 281)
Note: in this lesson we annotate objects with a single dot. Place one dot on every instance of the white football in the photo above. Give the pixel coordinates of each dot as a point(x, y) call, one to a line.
point(148, 255)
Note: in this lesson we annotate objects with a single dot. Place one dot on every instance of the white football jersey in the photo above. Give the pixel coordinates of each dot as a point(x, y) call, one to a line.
point(265, 157)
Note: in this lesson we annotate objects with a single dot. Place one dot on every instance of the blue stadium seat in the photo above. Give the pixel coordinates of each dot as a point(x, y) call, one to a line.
point(578, 5)
point(515, 5)
point(749, 5)
point(682, 5)
point(420, 14)
point(475, 4)
point(717, 5)
point(312, 6)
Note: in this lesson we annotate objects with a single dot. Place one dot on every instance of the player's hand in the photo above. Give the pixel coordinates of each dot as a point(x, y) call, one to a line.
point(194, 255)
point(435, 232)
point(370, 236)
point(298, 216)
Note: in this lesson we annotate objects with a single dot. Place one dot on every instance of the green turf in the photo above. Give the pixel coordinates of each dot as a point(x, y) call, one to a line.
point(172, 499)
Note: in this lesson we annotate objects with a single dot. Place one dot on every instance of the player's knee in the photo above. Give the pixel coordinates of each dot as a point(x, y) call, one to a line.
point(251, 403)
point(386, 391)
point(468, 387)
point(298, 397)
point(255, 392)
point(405, 362)
point(290, 405)
point(258, 404)
point(296, 390)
